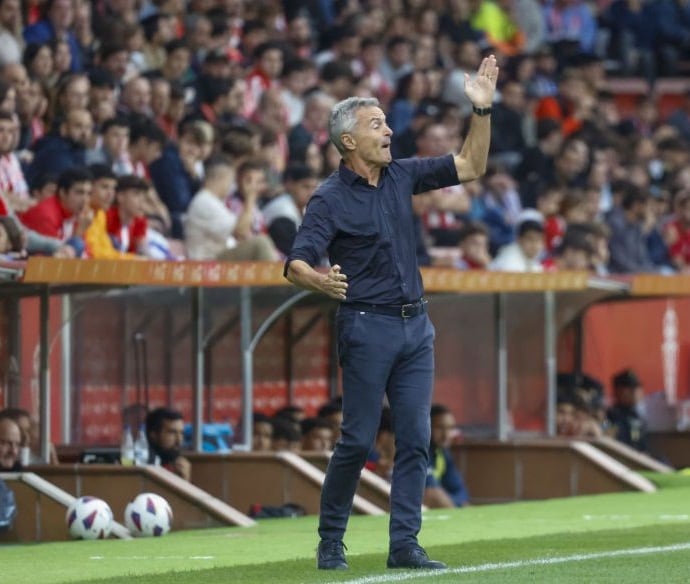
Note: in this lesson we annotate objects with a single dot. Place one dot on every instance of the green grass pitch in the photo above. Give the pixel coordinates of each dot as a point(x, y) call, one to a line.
point(632, 537)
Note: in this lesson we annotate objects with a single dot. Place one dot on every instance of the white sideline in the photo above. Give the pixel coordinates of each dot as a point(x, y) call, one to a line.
point(517, 564)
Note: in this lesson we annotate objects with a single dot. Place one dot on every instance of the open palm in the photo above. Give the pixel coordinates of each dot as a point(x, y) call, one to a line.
point(481, 87)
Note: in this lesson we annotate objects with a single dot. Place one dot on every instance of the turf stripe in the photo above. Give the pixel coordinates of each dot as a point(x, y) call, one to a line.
point(517, 564)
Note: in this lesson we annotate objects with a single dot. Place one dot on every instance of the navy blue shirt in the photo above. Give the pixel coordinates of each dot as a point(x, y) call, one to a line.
point(369, 231)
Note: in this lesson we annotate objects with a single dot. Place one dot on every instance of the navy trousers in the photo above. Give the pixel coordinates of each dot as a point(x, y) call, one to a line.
point(392, 355)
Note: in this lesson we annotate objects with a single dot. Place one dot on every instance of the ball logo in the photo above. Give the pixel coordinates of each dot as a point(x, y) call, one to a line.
point(72, 518)
point(136, 519)
point(89, 519)
point(150, 506)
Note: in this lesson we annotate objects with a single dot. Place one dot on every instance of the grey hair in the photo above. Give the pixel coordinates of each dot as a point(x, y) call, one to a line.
point(343, 118)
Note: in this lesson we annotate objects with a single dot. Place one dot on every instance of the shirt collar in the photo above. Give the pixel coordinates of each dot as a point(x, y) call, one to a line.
point(350, 177)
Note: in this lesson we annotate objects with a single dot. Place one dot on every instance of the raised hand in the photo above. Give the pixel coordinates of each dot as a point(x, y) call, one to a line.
point(334, 284)
point(481, 87)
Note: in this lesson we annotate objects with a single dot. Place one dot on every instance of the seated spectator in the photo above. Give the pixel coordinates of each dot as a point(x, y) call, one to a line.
point(283, 214)
point(29, 435)
point(573, 253)
point(332, 411)
point(286, 435)
point(629, 426)
point(13, 185)
point(677, 232)
point(10, 443)
point(125, 221)
point(65, 149)
point(165, 434)
point(212, 230)
point(65, 216)
point(444, 484)
point(317, 435)
point(113, 150)
point(262, 433)
point(525, 254)
point(382, 455)
point(56, 23)
point(474, 247)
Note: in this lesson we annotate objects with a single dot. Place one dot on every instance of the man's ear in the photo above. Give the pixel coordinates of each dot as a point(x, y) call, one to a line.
point(348, 141)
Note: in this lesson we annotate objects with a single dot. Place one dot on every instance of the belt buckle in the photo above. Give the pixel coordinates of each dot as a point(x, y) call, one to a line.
point(403, 310)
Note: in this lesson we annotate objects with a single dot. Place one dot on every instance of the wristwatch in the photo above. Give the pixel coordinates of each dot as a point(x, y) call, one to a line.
point(481, 111)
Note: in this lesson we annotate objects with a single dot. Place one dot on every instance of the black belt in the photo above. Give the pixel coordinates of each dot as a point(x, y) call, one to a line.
point(401, 310)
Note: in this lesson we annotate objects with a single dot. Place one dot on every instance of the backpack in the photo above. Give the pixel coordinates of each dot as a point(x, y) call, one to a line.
point(8, 507)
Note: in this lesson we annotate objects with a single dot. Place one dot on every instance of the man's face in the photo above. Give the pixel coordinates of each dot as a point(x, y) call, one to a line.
point(10, 442)
point(574, 259)
point(442, 428)
point(435, 141)
point(117, 64)
point(370, 139)
point(254, 181)
point(262, 439)
point(116, 140)
point(138, 95)
point(178, 63)
point(565, 419)
point(319, 439)
point(272, 63)
point(131, 202)
point(103, 193)
point(78, 127)
point(235, 101)
point(61, 14)
point(6, 136)
point(476, 248)
point(9, 13)
point(76, 197)
point(77, 94)
point(302, 190)
point(170, 436)
point(532, 244)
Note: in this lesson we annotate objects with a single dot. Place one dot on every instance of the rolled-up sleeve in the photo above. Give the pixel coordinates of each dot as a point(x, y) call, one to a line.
point(314, 235)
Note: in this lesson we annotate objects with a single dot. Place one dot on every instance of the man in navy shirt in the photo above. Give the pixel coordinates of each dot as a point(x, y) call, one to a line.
point(362, 216)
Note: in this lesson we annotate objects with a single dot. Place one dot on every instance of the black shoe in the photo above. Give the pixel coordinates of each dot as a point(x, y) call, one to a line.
point(413, 557)
point(331, 555)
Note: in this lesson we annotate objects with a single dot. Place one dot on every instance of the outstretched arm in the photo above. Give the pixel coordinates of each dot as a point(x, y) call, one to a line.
point(333, 284)
point(470, 163)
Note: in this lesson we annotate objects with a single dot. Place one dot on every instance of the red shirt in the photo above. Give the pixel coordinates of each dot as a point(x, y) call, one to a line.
point(49, 217)
point(554, 228)
point(680, 237)
point(125, 238)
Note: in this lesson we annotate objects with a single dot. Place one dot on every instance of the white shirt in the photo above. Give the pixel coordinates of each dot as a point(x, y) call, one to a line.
point(209, 226)
point(510, 258)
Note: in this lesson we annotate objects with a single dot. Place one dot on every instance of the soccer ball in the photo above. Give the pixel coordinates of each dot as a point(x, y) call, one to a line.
point(148, 515)
point(89, 518)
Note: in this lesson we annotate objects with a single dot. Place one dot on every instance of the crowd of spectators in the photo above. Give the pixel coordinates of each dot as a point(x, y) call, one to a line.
point(174, 129)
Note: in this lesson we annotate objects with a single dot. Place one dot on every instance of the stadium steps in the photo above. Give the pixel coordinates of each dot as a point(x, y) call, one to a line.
point(534, 469)
point(247, 479)
point(41, 510)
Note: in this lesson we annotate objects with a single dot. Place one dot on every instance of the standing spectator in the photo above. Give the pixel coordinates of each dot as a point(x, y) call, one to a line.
point(58, 17)
point(283, 214)
point(629, 426)
point(165, 434)
point(444, 483)
point(65, 149)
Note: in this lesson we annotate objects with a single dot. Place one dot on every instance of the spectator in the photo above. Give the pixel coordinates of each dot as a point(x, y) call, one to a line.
point(174, 174)
point(508, 122)
point(677, 232)
point(632, 38)
point(628, 244)
point(11, 39)
point(398, 60)
point(10, 444)
point(13, 187)
point(113, 58)
point(268, 66)
point(629, 426)
point(29, 436)
point(283, 214)
point(525, 254)
point(159, 29)
point(215, 232)
point(136, 97)
point(66, 215)
point(64, 150)
point(165, 434)
point(411, 89)
point(314, 124)
point(12, 240)
point(102, 96)
point(298, 76)
point(444, 483)
point(286, 436)
point(474, 247)
point(498, 26)
point(113, 150)
point(467, 59)
point(570, 27)
point(671, 21)
point(56, 23)
point(332, 411)
point(262, 433)
point(573, 253)
point(317, 435)
point(125, 221)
